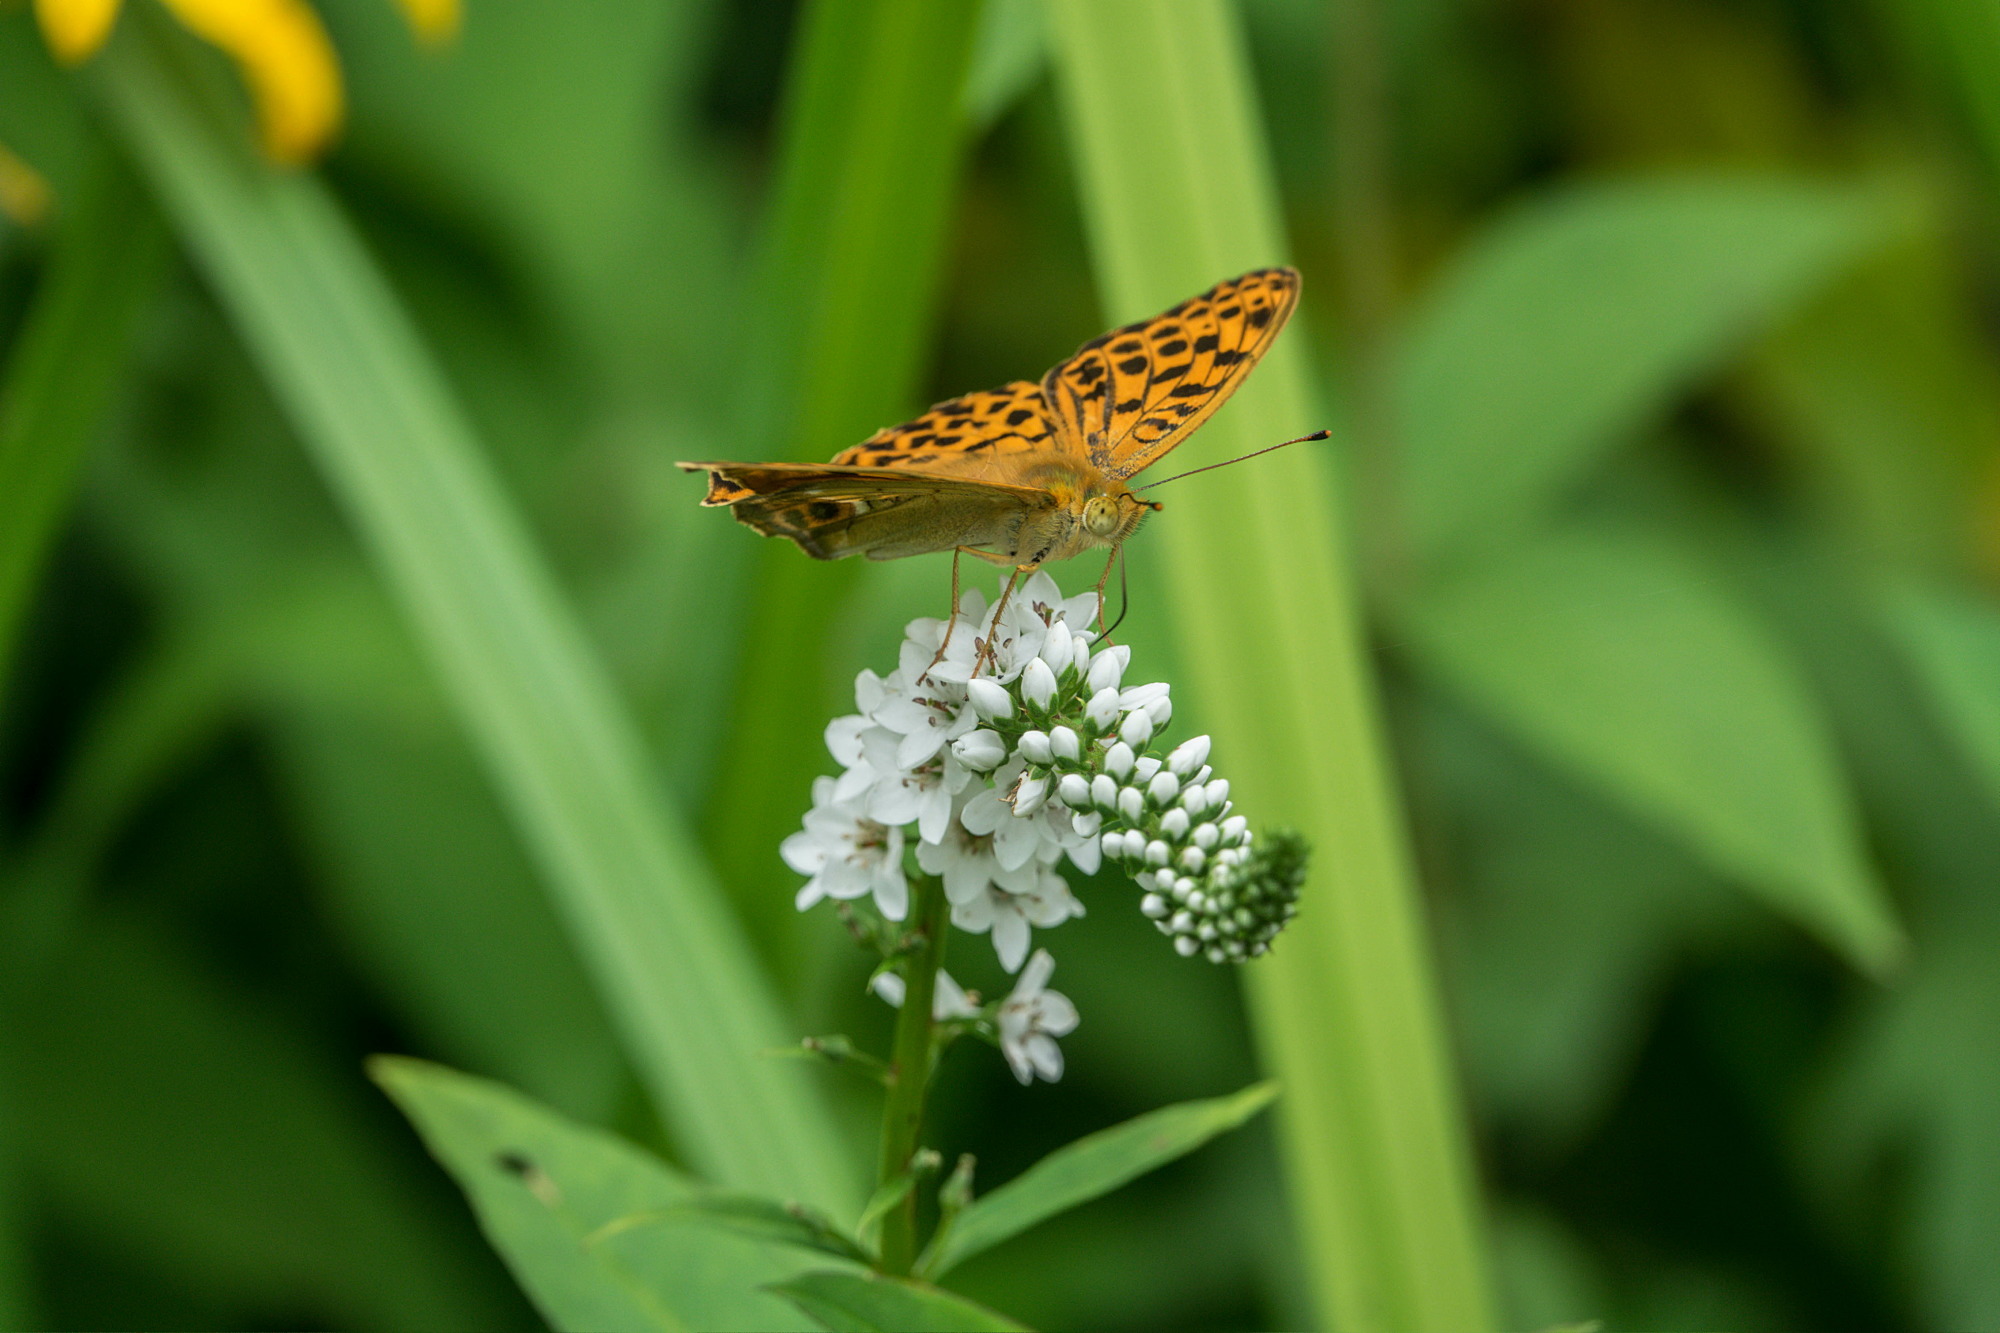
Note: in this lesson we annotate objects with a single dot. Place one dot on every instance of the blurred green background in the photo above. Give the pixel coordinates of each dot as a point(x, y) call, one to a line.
point(1660, 337)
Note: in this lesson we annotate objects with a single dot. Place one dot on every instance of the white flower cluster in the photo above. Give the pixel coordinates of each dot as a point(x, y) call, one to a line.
point(916, 753)
point(1040, 757)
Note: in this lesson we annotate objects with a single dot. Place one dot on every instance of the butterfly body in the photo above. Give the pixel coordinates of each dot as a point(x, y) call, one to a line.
point(1031, 471)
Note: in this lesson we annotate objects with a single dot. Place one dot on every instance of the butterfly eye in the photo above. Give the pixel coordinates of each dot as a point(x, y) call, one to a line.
point(1100, 515)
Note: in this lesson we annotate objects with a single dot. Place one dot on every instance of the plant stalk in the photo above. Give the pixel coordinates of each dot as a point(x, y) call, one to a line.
point(910, 1069)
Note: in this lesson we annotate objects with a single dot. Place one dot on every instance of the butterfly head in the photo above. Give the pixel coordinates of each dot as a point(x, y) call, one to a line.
point(1111, 517)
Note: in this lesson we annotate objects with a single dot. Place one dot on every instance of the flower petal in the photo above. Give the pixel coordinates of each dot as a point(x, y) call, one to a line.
point(74, 29)
point(288, 61)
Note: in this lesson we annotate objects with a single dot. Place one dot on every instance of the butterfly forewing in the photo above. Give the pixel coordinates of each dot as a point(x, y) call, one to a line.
point(965, 436)
point(1133, 394)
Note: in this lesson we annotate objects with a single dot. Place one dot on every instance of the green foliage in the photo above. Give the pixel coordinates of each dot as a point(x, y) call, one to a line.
point(869, 1303)
point(1579, 316)
point(600, 1234)
point(63, 373)
point(1618, 654)
point(1089, 1167)
point(373, 681)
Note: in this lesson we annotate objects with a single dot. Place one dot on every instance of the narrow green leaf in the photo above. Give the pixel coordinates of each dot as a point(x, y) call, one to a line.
point(759, 1218)
point(885, 1198)
point(853, 255)
point(1563, 328)
point(107, 262)
point(554, 1196)
point(368, 401)
point(1092, 1166)
point(1620, 657)
point(1008, 55)
point(1177, 192)
point(1953, 643)
point(857, 1303)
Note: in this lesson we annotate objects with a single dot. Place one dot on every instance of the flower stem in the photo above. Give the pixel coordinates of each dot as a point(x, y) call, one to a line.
point(910, 1069)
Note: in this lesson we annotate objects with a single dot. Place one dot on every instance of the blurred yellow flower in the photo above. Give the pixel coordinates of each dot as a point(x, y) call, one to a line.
point(282, 46)
point(24, 194)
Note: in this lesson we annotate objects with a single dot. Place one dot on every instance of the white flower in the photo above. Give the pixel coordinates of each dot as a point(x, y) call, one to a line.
point(891, 793)
point(1038, 683)
point(1108, 668)
point(981, 750)
point(926, 656)
point(1017, 839)
point(847, 855)
point(1188, 756)
point(1137, 728)
point(1030, 1020)
point(990, 698)
point(1046, 902)
point(948, 999)
point(922, 711)
point(967, 864)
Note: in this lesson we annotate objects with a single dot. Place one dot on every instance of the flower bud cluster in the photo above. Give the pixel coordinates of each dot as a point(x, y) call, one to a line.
point(1082, 743)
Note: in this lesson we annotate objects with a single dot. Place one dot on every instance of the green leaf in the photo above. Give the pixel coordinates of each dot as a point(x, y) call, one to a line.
point(759, 1218)
point(857, 1303)
point(1953, 643)
point(367, 400)
point(1623, 659)
point(1092, 1166)
point(109, 256)
point(553, 1196)
point(1008, 55)
point(1174, 175)
point(885, 1198)
point(1564, 328)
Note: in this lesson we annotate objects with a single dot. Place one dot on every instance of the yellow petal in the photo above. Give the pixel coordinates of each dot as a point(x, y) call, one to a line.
point(24, 193)
point(289, 63)
point(433, 21)
point(74, 29)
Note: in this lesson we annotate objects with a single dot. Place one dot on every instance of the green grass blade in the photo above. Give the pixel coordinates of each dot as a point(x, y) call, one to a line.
point(872, 143)
point(1094, 1165)
point(1177, 192)
point(368, 401)
point(108, 260)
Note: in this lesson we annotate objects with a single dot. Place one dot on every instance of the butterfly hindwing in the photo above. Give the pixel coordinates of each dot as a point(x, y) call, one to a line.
point(881, 512)
point(1128, 397)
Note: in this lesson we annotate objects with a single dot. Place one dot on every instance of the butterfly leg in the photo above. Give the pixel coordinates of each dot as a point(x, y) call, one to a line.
point(1103, 579)
point(951, 616)
point(985, 653)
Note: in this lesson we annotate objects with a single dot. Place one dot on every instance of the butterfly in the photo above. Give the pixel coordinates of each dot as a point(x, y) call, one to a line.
point(1028, 472)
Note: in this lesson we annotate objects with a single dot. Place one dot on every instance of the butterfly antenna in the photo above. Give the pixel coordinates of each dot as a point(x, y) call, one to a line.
point(1303, 439)
point(1124, 596)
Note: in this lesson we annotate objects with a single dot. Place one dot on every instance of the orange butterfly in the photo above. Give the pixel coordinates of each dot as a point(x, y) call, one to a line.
point(1027, 472)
